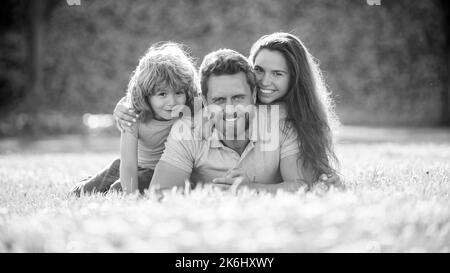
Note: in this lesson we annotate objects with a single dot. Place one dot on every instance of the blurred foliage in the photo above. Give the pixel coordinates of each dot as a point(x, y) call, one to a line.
point(385, 64)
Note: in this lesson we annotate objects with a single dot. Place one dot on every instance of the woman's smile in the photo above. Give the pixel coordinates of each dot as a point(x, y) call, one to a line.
point(267, 91)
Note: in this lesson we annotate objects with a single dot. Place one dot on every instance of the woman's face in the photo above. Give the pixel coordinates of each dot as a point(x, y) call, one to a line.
point(163, 102)
point(272, 75)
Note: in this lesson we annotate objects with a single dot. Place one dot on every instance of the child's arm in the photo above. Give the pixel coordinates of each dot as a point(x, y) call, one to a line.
point(128, 159)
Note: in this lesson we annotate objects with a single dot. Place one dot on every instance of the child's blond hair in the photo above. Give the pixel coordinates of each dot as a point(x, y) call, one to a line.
point(164, 66)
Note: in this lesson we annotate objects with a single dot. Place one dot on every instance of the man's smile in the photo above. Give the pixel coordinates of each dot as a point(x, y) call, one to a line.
point(230, 119)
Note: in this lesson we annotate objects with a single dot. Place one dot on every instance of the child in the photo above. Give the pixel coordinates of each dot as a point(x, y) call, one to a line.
point(164, 79)
point(287, 74)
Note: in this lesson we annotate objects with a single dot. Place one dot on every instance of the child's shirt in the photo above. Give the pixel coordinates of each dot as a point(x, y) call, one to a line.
point(152, 136)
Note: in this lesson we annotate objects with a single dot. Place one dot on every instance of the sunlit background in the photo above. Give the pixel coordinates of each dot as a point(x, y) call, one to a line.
point(65, 62)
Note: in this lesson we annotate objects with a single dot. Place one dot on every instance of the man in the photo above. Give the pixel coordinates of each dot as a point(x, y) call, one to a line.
point(237, 159)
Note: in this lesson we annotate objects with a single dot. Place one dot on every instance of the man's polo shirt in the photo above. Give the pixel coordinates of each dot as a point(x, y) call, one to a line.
point(206, 159)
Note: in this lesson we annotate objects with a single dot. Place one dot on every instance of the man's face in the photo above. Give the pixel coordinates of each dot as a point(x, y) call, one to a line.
point(229, 96)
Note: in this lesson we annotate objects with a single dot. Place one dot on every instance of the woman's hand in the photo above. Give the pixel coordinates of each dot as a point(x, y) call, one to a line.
point(326, 181)
point(124, 115)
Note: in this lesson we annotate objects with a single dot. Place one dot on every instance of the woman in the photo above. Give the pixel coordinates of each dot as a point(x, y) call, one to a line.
point(287, 75)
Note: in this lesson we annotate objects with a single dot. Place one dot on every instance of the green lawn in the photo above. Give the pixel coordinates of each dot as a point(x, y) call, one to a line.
point(398, 200)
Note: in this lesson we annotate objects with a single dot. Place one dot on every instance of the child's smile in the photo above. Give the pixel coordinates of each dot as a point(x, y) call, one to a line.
point(163, 102)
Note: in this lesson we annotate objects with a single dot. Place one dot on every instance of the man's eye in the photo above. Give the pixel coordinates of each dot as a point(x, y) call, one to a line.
point(257, 70)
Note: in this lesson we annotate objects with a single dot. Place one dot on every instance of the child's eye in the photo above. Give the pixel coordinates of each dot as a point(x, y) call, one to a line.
point(161, 94)
point(180, 93)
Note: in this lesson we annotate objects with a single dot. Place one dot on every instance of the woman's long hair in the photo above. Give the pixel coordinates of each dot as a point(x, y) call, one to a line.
point(309, 106)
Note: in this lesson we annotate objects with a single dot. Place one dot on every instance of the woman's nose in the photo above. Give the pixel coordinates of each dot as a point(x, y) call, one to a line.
point(265, 79)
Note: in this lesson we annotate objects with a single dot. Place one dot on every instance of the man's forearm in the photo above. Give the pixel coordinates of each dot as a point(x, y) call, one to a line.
point(167, 176)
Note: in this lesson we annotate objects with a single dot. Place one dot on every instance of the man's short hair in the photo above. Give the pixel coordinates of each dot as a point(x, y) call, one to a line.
point(225, 62)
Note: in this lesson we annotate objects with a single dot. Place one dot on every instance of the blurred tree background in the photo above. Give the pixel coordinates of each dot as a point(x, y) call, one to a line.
point(386, 64)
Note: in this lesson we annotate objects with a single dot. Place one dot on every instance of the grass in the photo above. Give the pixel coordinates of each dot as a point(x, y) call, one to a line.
point(398, 200)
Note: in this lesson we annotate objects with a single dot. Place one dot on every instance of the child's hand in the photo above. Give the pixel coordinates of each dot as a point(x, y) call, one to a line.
point(124, 115)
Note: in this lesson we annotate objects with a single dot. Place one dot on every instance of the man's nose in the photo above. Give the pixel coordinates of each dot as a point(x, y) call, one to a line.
point(229, 110)
point(229, 102)
point(232, 104)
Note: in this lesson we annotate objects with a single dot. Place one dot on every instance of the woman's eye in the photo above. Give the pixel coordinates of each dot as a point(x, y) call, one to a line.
point(277, 74)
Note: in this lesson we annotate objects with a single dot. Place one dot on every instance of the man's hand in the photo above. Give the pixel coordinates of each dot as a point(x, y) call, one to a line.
point(234, 179)
point(124, 115)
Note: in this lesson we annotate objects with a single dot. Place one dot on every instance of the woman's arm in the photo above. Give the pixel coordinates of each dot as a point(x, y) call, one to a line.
point(294, 176)
point(128, 159)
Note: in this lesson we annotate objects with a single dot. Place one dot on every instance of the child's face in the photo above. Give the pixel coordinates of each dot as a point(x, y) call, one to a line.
point(164, 100)
point(272, 75)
